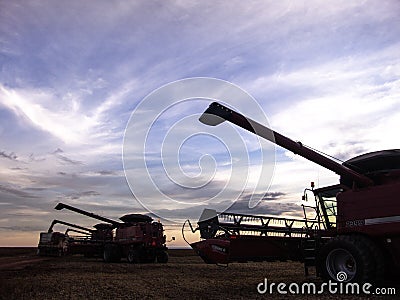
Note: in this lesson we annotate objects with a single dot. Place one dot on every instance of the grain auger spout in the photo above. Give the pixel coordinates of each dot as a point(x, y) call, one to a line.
point(217, 113)
point(61, 206)
point(87, 230)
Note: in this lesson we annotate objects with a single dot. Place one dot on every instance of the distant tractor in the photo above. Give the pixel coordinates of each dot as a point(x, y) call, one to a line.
point(356, 229)
point(137, 238)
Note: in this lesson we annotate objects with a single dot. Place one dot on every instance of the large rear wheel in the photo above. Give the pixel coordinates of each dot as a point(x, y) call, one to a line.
point(111, 253)
point(162, 256)
point(347, 259)
point(133, 256)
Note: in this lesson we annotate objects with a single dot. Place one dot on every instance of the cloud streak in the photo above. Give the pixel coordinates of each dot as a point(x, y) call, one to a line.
point(16, 192)
point(11, 155)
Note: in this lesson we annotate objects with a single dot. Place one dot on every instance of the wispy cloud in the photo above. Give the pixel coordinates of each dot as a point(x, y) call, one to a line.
point(62, 123)
point(16, 192)
point(67, 160)
point(75, 196)
point(11, 155)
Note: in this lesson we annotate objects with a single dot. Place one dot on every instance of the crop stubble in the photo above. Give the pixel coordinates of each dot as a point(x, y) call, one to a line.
point(185, 276)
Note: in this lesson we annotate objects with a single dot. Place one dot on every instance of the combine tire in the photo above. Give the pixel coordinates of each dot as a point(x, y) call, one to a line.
point(111, 253)
point(151, 259)
point(162, 257)
point(379, 260)
point(133, 256)
point(347, 259)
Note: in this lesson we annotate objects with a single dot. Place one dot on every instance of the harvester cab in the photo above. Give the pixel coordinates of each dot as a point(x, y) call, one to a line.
point(104, 231)
point(323, 205)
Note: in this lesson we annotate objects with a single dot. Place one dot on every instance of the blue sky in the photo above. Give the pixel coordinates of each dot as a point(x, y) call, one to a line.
point(323, 72)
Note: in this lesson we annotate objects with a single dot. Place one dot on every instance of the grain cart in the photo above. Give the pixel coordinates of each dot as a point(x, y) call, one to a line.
point(89, 243)
point(358, 220)
point(137, 238)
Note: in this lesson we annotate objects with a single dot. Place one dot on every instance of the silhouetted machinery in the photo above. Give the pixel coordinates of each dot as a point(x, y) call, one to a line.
point(88, 243)
point(84, 230)
point(356, 224)
point(52, 244)
point(137, 237)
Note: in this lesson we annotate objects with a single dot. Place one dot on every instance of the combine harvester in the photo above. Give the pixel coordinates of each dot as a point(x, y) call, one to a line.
point(58, 244)
point(89, 243)
point(137, 238)
point(355, 228)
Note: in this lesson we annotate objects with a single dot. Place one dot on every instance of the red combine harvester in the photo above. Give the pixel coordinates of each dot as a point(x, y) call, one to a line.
point(89, 243)
point(355, 227)
point(137, 237)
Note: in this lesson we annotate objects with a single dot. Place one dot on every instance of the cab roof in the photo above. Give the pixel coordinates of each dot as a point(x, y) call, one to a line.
point(372, 162)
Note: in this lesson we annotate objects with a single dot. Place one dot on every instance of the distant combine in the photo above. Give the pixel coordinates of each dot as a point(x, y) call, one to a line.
point(137, 238)
point(353, 235)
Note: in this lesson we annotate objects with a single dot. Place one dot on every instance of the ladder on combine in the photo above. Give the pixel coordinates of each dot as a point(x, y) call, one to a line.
point(313, 240)
point(310, 245)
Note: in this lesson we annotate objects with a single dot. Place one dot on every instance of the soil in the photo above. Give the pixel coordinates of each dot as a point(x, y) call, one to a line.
point(27, 276)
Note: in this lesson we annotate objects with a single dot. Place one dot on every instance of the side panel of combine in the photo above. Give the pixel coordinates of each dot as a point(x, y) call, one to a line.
point(142, 242)
point(377, 213)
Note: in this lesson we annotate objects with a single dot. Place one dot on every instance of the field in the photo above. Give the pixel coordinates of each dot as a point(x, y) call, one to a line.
point(185, 276)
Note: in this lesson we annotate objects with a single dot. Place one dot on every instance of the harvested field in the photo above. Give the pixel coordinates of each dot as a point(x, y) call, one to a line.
point(185, 276)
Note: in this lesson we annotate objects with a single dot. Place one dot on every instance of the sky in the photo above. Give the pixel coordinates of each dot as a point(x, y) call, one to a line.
point(88, 88)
